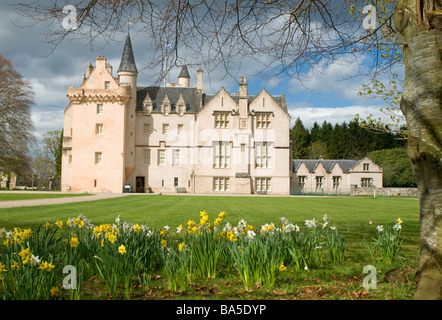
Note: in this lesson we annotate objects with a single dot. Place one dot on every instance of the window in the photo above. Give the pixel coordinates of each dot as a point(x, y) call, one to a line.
point(180, 129)
point(319, 183)
point(366, 182)
point(99, 128)
point(181, 108)
point(175, 182)
point(161, 157)
point(106, 84)
point(221, 184)
point(336, 182)
point(165, 128)
point(98, 157)
point(146, 128)
point(95, 183)
point(70, 158)
point(366, 167)
point(221, 120)
point(146, 157)
point(166, 108)
point(221, 154)
point(263, 154)
point(176, 157)
point(263, 184)
point(301, 181)
point(263, 120)
point(99, 109)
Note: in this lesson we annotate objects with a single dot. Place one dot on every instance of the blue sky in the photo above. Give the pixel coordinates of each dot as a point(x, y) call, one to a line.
point(330, 94)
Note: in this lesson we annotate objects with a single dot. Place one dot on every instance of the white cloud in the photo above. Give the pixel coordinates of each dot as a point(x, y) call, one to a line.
point(309, 115)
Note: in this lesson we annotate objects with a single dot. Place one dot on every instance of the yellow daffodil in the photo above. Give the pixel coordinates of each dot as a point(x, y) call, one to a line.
point(222, 214)
point(163, 242)
point(122, 249)
point(217, 221)
point(15, 265)
point(282, 267)
point(46, 266)
point(59, 223)
point(137, 227)
point(25, 255)
point(54, 291)
point(181, 246)
point(399, 221)
point(74, 242)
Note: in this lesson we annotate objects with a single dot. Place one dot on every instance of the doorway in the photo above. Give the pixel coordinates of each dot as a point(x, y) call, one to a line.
point(139, 185)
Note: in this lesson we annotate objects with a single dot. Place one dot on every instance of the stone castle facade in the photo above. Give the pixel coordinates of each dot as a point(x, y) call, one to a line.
point(172, 138)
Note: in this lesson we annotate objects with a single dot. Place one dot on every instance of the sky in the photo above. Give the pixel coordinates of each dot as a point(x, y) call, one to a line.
point(330, 94)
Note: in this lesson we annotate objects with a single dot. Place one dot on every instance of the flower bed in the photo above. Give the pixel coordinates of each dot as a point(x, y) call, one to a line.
point(34, 264)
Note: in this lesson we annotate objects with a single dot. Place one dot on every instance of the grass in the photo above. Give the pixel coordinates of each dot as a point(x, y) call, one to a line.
point(351, 214)
point(7, 196)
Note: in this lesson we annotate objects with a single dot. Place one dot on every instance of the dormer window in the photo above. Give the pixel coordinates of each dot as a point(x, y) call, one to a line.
point(147, 105)
point(166, 106)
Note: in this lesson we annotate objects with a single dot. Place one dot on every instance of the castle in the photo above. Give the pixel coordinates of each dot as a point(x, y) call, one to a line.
point(119, 136)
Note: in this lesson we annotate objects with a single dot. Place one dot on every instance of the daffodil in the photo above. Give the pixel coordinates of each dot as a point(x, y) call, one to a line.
point(122, 249)
point(74, 242)
point(222, 214)
point(399, 221)
point(46, 266)
point(137, 227)
point(282, 267)
point(163, 242)
point(181, 246)
point(59, 223)
point(54, 291)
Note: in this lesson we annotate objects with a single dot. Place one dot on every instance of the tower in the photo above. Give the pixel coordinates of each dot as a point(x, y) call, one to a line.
point(127, 75)
point(184, 77)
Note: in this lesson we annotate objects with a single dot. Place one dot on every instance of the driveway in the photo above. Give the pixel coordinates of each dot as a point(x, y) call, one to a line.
point(50, 201)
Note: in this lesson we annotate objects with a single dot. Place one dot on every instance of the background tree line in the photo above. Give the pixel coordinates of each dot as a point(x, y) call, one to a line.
point(352, 141)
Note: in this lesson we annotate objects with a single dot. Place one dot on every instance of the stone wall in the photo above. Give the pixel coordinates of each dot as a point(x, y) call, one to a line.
point(386, 191)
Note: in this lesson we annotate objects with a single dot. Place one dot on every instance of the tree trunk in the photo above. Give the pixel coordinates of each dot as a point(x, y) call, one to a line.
point(421, 104)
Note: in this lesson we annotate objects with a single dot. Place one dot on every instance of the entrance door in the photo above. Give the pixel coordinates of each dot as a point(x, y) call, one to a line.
point(139, 185)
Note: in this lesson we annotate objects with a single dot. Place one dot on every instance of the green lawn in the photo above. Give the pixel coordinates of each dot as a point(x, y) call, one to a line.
point(350, 214)
point(9, 196)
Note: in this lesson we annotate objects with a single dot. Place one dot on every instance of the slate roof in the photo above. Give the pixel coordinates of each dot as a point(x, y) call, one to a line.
point(311, 164)
point(191, 96)
point(184, 73)
point(127, 59)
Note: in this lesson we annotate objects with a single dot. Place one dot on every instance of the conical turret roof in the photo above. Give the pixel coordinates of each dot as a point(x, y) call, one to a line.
point(127, 59)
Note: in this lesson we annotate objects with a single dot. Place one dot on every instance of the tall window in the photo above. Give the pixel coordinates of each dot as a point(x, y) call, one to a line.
point(221, 154)
point(221, 184)
point(181, 108)
point(319, 183)
point(161, 157)
point(263, 154)
point(336, 182)
point(146, 128)
point(301, 181)
point(106, 84)
point(98, 157)
point(366, 182)
point(263, 120)
point(176, 157)
point(366, 167)
point(221, 120)
point(180, 129)
point(99, 109)
point(99, 128)
point(263, 184)
point(165, 128)
point(146, 156)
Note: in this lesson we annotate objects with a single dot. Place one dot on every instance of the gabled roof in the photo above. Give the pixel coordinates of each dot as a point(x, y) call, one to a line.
point(311, 164)
point(127, 59)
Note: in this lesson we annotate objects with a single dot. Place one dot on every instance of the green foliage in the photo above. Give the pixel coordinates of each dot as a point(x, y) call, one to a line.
point(396, 167)
point(341, 141)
